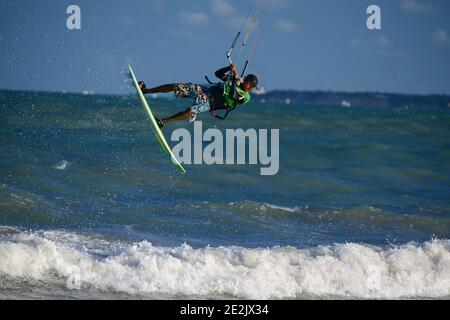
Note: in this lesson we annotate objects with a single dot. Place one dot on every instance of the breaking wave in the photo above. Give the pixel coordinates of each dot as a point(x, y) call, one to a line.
point(343, 270)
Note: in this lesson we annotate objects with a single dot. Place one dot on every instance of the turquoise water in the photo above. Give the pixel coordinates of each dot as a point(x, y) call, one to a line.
point(91, 207)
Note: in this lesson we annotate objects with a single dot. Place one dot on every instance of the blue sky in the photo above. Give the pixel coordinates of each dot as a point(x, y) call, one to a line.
point(304, 44)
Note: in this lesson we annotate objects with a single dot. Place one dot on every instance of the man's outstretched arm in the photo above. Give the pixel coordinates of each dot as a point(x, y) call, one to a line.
point(222, 74)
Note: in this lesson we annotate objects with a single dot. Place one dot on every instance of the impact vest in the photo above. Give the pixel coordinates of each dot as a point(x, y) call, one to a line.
point(244, 96)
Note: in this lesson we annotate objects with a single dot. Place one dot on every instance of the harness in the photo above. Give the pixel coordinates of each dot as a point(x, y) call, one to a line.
point(227, 94)
point(225, 115)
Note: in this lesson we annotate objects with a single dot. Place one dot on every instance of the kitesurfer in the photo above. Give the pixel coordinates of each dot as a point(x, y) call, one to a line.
point(227, 95)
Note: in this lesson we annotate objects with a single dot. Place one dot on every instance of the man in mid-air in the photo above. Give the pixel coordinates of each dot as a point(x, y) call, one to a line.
point(221, 96)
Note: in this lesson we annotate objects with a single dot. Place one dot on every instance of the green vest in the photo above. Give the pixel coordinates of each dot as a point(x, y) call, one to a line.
point(228, 95)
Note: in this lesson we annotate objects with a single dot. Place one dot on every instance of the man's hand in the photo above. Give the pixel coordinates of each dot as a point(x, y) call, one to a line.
point(233, 69)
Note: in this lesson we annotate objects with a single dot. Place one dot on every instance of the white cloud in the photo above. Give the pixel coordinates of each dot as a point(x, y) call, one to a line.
point(383, 41)
point(380, 41)
point(194, 19)
point(417, 6)
point(441, 37)
point(222, 7)
point(287, 26)
point(381, 45)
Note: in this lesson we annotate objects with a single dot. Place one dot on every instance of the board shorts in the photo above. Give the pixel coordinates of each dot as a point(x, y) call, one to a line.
point(197, 92)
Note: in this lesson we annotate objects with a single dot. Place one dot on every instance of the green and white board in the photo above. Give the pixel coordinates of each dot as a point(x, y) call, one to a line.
point(158, 133)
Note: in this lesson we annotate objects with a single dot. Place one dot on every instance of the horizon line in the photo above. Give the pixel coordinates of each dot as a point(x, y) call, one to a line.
point(92, 93)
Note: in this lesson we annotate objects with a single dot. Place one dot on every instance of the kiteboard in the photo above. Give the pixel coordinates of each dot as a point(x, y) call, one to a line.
point(158, 133)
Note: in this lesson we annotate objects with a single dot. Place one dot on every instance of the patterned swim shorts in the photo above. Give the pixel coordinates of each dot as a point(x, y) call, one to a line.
point(194, 91)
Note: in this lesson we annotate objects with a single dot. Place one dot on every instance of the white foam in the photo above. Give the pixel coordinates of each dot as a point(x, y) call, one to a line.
point(61, 165)
point(343, 270)
point(281, 208)
point(264, 206)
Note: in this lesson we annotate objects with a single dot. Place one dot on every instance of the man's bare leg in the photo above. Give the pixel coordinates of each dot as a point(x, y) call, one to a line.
point(179, 116)
point(161, 89)
point(164, 89)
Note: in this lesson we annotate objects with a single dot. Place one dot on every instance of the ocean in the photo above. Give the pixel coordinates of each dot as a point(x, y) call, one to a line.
point(92, 208)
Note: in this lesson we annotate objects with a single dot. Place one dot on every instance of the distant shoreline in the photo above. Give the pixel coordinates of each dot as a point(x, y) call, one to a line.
point(349, 99)
point(319, 98)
